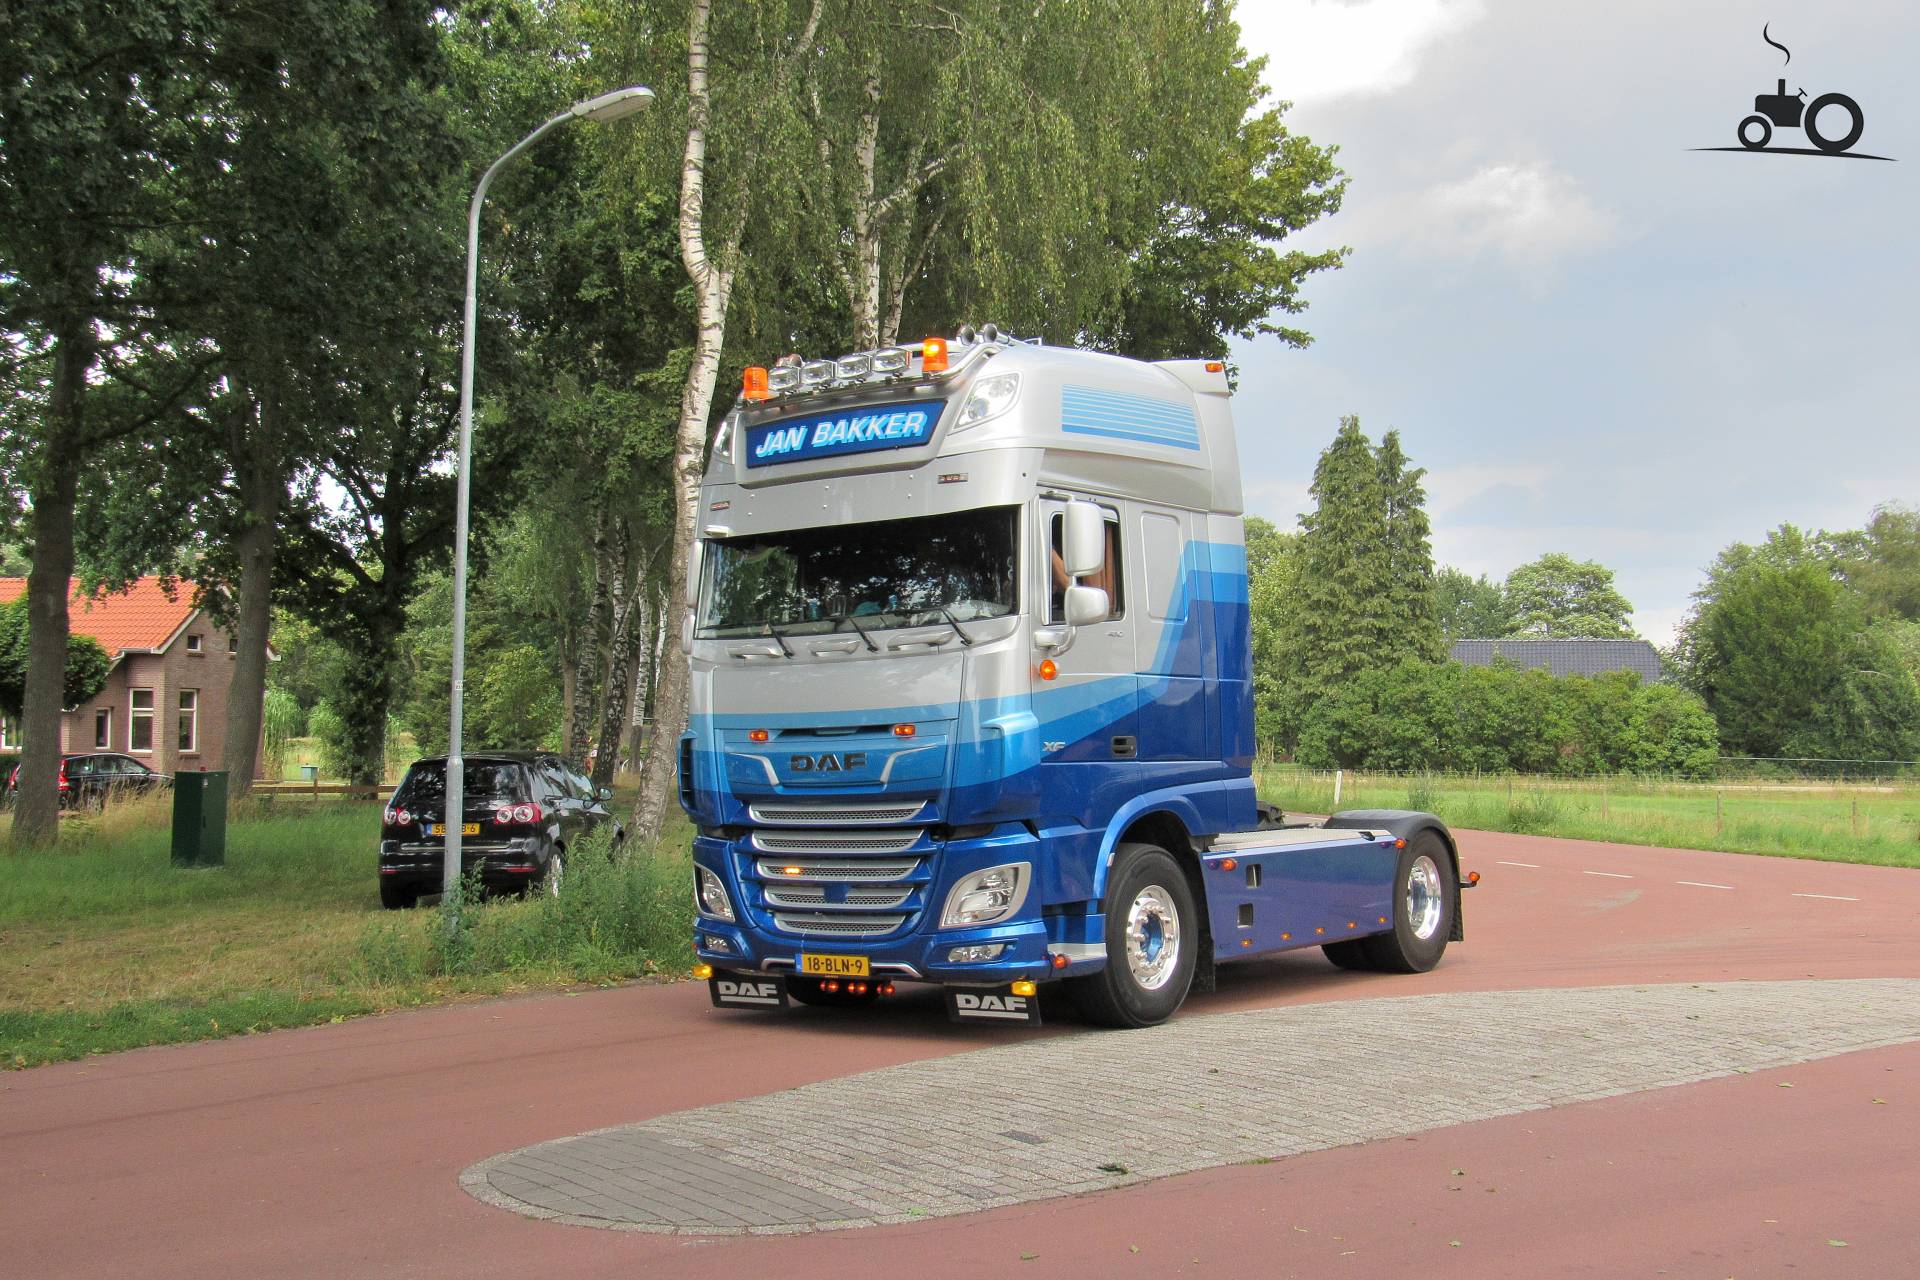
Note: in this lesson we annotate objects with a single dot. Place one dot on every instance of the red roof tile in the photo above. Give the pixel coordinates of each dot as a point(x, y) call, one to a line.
point(141, 617)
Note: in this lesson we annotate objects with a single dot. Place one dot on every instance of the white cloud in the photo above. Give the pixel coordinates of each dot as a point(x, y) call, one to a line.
point(1526, 213)
point(1455, 489)
point(1321, 49)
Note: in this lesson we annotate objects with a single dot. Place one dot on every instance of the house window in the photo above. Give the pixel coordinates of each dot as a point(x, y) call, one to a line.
point(189, 721)
point(233, 644)
point(193, 644)
point(103, 729)
point(9, 735)
point(140, 720)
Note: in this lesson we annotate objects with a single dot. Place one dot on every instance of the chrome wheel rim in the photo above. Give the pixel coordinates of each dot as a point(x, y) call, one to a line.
point(1153, 938)
point(556, 868)
point(1426, 898)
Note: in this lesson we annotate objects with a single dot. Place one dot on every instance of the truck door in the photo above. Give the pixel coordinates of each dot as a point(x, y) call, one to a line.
point(1088, 712)
point(1172, 644)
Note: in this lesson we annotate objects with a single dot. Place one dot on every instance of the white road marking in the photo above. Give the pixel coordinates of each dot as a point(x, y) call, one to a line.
point(1702, 884)
point(1533, 865)
point(1611, 875)
point(1830, 897)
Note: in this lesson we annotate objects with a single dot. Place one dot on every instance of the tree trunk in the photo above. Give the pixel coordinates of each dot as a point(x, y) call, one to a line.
point(867, 229)
point(36, 815)
point(629, 635)
point(711, 284)
point(586, 657)
point(257, 466)
point(366, 693)
point(646, 669)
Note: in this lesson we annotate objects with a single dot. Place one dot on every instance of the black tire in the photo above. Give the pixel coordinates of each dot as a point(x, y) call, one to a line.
point(1144, 876)
point(1766, 133)
point(809, 991)
point(1416, 945)
point(1812, 118)
point(398, 897)
point(1349, 955)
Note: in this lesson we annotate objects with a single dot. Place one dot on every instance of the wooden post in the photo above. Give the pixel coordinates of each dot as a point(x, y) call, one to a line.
point(1336, 787)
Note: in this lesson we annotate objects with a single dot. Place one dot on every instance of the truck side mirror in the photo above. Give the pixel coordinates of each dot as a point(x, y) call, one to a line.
point(1086, 606)
point(1085, 539)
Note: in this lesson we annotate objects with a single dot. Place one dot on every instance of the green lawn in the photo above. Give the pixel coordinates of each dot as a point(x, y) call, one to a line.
point(1874, 823)
point(104, 945)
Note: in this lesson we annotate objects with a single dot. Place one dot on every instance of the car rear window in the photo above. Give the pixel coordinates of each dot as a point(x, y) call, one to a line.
point(482, 780)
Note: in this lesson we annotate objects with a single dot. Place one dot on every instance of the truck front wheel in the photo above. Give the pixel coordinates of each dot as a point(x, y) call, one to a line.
point(1152, 936)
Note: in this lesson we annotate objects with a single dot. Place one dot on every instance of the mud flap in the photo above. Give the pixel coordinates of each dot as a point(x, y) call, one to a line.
point(746, 991)
point(992, 1004)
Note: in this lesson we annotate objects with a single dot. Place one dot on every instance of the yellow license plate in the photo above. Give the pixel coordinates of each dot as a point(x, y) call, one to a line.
point(834, 966)
point(466, 829)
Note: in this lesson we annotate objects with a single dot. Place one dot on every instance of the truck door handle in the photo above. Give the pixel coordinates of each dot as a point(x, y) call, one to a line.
point(836, 646)
point(1125, 746)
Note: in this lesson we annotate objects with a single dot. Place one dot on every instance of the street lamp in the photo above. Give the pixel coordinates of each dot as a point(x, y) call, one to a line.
point(604, 109)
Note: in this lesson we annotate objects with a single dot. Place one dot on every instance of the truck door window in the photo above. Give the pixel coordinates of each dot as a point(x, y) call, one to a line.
point(1110, 579)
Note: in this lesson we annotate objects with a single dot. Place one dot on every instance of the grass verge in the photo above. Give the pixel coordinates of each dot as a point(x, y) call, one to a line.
point(1875, 823)
point(104, 945)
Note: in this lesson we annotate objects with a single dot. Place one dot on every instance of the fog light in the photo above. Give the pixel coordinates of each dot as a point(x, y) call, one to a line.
point(710, 943)
point(976, 954)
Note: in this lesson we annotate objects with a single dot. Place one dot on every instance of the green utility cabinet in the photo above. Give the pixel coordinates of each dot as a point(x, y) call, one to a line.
point(200, 819)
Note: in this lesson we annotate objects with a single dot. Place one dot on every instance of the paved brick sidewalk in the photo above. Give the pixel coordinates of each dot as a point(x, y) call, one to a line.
point(1084, 1112)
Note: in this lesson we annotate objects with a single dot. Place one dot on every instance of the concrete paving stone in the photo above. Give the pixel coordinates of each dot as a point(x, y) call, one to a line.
point(1033, 1120)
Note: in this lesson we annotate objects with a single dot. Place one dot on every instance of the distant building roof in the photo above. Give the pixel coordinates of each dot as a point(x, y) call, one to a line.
point(143, 618)
point(1564, 657)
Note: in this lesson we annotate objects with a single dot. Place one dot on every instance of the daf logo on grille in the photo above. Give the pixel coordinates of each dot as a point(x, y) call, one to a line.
point(827, 762)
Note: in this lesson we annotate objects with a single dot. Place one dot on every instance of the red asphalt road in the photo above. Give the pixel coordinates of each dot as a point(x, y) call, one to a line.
point(335, 1151)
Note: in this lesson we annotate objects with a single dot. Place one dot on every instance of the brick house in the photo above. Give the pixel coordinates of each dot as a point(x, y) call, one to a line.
point(1565, 657)
point(165, 700)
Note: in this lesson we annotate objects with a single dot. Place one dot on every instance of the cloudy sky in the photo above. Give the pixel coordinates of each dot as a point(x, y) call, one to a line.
point(1596, 340)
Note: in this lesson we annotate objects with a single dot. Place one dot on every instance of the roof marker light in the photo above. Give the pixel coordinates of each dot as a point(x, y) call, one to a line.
point(904, 731)
point(1216, 366)
point(753, 384)
point(933, 355)
point(757, 735)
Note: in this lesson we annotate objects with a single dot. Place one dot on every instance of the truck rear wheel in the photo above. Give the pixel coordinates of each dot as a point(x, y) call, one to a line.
point(1152, 938)
point(1426, 893)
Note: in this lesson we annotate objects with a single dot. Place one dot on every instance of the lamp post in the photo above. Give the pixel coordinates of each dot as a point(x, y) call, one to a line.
point(604, 109)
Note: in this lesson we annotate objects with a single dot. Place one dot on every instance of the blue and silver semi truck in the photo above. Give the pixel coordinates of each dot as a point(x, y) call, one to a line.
point(972, 699)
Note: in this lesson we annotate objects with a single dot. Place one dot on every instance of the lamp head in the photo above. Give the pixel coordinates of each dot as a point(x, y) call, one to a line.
point(617, 105)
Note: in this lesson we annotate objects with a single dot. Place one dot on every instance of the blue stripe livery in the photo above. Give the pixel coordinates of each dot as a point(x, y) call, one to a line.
point(1114, 415)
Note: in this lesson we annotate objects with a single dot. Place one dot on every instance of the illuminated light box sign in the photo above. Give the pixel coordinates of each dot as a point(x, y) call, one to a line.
point(863, 430)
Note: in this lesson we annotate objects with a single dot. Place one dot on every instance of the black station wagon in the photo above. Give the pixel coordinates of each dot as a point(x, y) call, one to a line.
point(522, 811)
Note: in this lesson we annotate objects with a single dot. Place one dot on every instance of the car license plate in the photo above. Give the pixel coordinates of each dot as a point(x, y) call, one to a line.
point(834, 966)
point(466, 829)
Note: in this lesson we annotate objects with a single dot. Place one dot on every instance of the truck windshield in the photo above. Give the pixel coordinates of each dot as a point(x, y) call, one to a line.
point(892, 573)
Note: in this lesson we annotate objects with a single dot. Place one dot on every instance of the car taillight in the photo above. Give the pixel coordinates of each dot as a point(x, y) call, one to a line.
point(398, 817)
point(521, 813)
point(64, 784)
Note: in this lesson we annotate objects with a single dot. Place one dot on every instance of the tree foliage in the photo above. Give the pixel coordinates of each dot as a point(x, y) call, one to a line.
point(1557, 597)
point(86, 672)
point(1469, 608)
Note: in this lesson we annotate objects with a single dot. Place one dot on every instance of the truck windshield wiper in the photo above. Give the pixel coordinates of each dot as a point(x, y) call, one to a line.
point(778, 638)
point(966, 641)
point(848, 619)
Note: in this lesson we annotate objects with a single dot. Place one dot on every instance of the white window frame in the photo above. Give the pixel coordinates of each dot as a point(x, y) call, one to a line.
point(134, 713)
point(194, 644)
point(9, 735)
point(187, 716)
point(102, 742)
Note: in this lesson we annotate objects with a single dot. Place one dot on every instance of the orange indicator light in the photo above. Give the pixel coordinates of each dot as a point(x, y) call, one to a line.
point(1383, 919)
point(903, 731)
point(1352, 924)
point(1024, 988)
point(1286, 937)
point(703, 971)
point(1047, 669)
point(1246, 942)
point(933, 355)
point(1319, 930)
point(830, 985)
point(756, 735)
point(790, 871)
point(1228, 864)
point(1473, 877)
point(1399, 844)
point(1216, 366)
point(1059, 962)
point(886, 988)
point(753, 384)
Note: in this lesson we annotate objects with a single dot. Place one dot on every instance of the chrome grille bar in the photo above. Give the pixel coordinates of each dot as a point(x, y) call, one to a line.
point(824, 841)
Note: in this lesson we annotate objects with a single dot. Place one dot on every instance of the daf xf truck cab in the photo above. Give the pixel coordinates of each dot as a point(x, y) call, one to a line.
point(972, 699)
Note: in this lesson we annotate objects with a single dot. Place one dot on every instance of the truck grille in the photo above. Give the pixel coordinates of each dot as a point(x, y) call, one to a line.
point(836, 869)
point(838, 926)
point(828, 815)
point(822, 841)
point(815, 896)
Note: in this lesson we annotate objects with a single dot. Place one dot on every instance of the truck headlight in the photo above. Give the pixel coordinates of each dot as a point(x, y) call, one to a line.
point(989, 398)
point(710, 896)
point(987, 897)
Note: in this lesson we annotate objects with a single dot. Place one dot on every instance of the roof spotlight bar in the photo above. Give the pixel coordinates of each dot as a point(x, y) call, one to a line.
point(934, 357)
